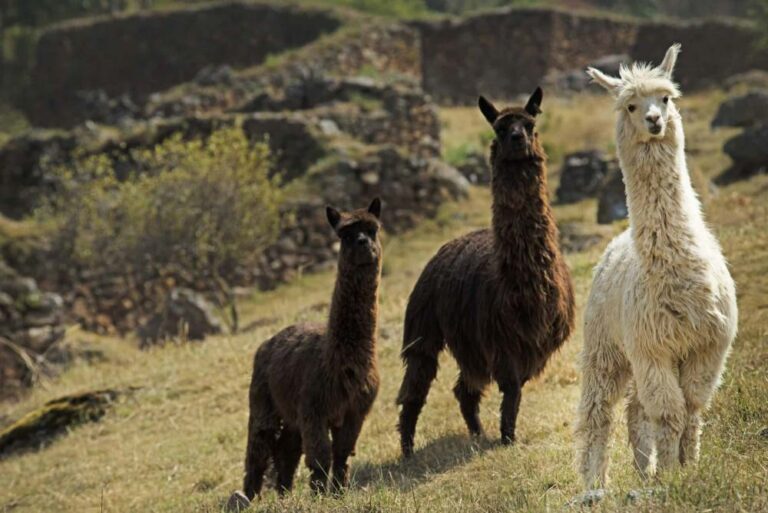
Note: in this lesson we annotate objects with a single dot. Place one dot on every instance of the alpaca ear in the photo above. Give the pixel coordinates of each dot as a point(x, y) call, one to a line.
point(375, 208)
point(670, 58)
point(489, 111)
point(333, 216)
point(533, 107)
point(611, 84)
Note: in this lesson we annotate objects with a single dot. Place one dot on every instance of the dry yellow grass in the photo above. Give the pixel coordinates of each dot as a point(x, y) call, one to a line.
point(177, 444)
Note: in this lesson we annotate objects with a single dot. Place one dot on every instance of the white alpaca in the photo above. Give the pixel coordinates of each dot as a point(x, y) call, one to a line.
point(661, 315)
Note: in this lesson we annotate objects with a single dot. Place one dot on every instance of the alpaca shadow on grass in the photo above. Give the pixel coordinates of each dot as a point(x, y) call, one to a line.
point(437, 456)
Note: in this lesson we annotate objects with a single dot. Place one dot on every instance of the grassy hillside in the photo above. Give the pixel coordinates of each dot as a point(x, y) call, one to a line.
point(177, 443)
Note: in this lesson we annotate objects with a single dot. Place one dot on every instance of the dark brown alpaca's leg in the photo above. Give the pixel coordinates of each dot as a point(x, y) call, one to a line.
point(510, 405)
point(287, 456)
point(317, 453)
point(344, 440)
point(469, 402)
point(263, 423)
point(420, 371)
point(260, 445)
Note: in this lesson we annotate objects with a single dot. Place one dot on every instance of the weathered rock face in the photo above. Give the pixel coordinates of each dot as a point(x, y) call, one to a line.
point(582, 175)
point(612, 200)
point(509, 51)
point(743, 111)
point(387, 50)
point(31, 322)
point(187, 314)
point(142, 53)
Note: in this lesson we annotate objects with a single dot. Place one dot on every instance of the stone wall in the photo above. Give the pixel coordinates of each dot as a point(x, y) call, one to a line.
point(143, 53)
point(509, 51)
point(712, 50)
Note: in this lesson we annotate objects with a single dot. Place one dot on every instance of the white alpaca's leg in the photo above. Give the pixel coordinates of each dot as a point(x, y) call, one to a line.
point(699, 376)
point(662, 399)
point(604, 375)
point(640, 432)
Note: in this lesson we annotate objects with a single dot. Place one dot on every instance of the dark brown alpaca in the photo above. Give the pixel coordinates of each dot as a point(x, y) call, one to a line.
point(500, 298)
point(310, 379)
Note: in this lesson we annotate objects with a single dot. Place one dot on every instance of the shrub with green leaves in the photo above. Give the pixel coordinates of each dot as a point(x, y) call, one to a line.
point(194, 207)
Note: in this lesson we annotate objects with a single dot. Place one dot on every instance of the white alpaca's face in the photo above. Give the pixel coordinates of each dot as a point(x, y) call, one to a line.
point(649, 114)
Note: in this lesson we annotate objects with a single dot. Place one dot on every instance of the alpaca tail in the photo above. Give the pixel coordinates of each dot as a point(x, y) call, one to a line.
point(263, 425)
point(422, 343)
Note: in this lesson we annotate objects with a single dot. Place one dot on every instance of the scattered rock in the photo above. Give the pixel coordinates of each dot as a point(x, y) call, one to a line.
point(237, 502)
point(763, 433)
point(589, 498)
point(31, 323)
point(577, 237)
point(53, 419)
point(215, 75)
point(743, 111)
point(582, 175)
point(475, 168)
point(612, 199)
point(186, 314)
point(753, 79)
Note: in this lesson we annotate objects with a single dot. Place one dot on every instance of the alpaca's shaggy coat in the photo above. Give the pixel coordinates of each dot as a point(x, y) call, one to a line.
point(500, 299)
point(311, 379)
point(661, 315)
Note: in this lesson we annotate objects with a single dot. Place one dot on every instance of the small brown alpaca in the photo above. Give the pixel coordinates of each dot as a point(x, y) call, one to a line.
point(500, 299)
point(310, 379)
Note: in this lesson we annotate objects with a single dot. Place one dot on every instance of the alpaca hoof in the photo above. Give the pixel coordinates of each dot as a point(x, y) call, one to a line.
point(507, 439)
point(237, 502)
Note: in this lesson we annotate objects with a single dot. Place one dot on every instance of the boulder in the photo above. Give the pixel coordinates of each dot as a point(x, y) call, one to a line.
point(186, 314)
point(749, 152)
point(612, 200)
point(582, 175)
point(55, 418)
point(743, 111)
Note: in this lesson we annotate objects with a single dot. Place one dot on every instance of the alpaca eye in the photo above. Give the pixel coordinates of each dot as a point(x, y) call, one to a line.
point(666, 99)
point(631, 108)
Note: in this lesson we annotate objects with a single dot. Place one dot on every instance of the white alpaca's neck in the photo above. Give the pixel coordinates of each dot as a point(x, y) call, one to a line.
point(664, 212)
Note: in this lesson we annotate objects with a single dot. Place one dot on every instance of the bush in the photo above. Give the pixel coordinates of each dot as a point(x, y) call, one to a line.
point(190, 208)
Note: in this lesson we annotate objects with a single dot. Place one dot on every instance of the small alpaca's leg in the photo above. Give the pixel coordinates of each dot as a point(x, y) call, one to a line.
point(662, 398)
point(699, 378)
point(469, 395)
point(344, 440)
point(263, 424)
point(317, 452)
point(420, 371)
point(604, 379)
point(287, 456)
point(510, 387)
point(640, 433)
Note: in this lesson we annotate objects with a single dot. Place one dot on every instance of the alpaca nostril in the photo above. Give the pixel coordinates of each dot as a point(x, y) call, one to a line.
point(652, 118)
